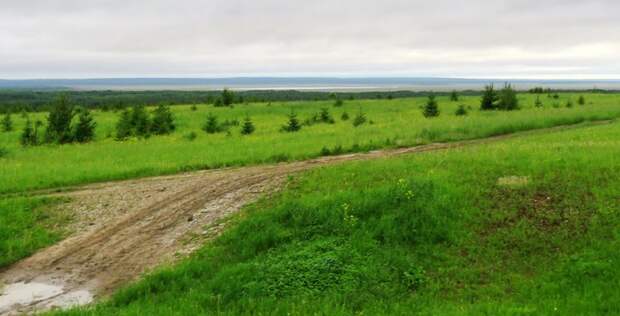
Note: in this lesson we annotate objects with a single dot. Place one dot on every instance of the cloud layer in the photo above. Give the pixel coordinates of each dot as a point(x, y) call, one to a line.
point(475, 38)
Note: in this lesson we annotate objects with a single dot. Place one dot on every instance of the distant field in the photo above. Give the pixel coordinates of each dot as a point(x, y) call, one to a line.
point(392, 123)
point(526, 226)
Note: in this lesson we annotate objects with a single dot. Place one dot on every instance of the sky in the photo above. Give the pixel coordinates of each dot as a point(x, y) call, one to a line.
point(545, 39)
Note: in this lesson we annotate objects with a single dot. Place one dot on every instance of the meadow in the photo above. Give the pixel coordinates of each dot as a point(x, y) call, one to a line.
point(391, 123)
point(526, 226)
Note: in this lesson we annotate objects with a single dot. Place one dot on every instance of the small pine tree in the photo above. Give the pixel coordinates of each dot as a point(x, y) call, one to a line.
point(489, 98)
point(123, 126)
point(338, 103)
point(211, 125)
point(569, 104)
point(293, 124)
point(163, 121)
point(140, 122)
point(359, 119)
point(344, 116)
point(508, 98)
point(581, 100)
point(7, 122)
point(218, 103)
point(59, 121)
point(461, 111)
point(228, 97)
point(325, 117)
point(431, 109)
point(28, 136)
point(538, 103)
point(84, 130)
point(248, 127)
point(454, 97)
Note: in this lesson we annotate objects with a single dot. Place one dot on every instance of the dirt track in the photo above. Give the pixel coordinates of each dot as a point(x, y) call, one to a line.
point(125, 228)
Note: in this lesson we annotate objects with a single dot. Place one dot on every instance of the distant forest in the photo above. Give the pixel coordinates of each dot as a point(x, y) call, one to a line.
point(34, 101)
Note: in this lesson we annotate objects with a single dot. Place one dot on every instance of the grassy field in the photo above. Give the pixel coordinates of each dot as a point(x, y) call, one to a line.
point(395, 123)
point(527, 226)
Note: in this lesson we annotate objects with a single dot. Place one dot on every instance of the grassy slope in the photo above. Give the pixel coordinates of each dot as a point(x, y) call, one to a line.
point(430, 233)
point(397, 122)
point(27, 224)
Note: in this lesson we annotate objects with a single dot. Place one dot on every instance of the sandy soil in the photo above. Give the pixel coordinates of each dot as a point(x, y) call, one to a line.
point(124, 229)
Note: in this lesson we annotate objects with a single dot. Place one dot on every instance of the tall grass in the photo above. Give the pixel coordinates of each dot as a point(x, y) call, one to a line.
point(396, 123)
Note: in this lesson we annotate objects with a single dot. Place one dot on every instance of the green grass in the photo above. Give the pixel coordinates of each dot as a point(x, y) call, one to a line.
point(432, 234)
point(397, 122)
point(28, 224)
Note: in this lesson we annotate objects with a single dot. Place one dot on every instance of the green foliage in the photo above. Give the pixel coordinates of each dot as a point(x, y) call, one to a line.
point(454, 96)
point(569, 103)
point(508, 99)
point(218, 103)
point(124, 127)
point(59, 121)
point(344, 116)
point(248, 127)
point(84, 130)
point(4, 152)
point(461, 110)
point(29, 135)
point(227, 97)
point(360, 118)
point(293, 124)
point(211, 126)
point(581, 100)
point(7, 122)
point(538, 103)
point(325, 116)
point(431, 108)
point(163, 121)
point(338, 103)
point(191, 136)
point(489, 98)
point(140, 121)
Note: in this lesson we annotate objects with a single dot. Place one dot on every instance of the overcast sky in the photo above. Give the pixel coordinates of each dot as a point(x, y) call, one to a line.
point(207, 38)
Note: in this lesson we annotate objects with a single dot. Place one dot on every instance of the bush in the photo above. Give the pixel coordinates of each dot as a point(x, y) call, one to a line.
point(538, 103)
point(84, 130)
point(7, 122)
point(163, 121)
point(248, 127)
point(293, 123)
point(454, 97)
point(581, 100)
point(325, 117)
point(431, 109)
point(211, 125)
point(489, 98)
point(508, 99)
point(3, 152)
point(344, 116)
point(29, 135)
point(124, 126)
point(569, 104)
point(338, 103)
point(359, 119)
point(227, 98)
point(190, 136)
point(59, 121)
point(461, 111)
point(140, 122)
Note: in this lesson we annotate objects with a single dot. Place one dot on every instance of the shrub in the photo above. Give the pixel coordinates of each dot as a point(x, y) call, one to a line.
point(211, 126)
point(227, 98)
point(59, 121)
point(325, 117)
point(7, 122)
point(508, 99)
point(163, 121)
point(140, 122)
point(489, 98)
point(344, 116)
point(248, 127)
point(293, 123)
point(461, 111)
point(124, 126)
point(338, 103)
point(538, 103)
point(190, 136)
point(431, 109)
point(3, 152)
point(454, 97)
point(84, 130)
point(581, 100)
point(193, 108)
point(569, 103)
point(218, 103)
point(29, 135)
point(359, 119)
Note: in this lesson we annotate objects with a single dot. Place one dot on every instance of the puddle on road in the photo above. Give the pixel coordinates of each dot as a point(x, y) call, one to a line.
point(37, 296)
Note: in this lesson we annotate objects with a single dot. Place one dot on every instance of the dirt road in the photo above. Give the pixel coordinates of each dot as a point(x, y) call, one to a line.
point(123, 229)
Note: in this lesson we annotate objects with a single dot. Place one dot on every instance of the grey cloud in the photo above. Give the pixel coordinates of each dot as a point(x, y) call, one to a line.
point(218, 37)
